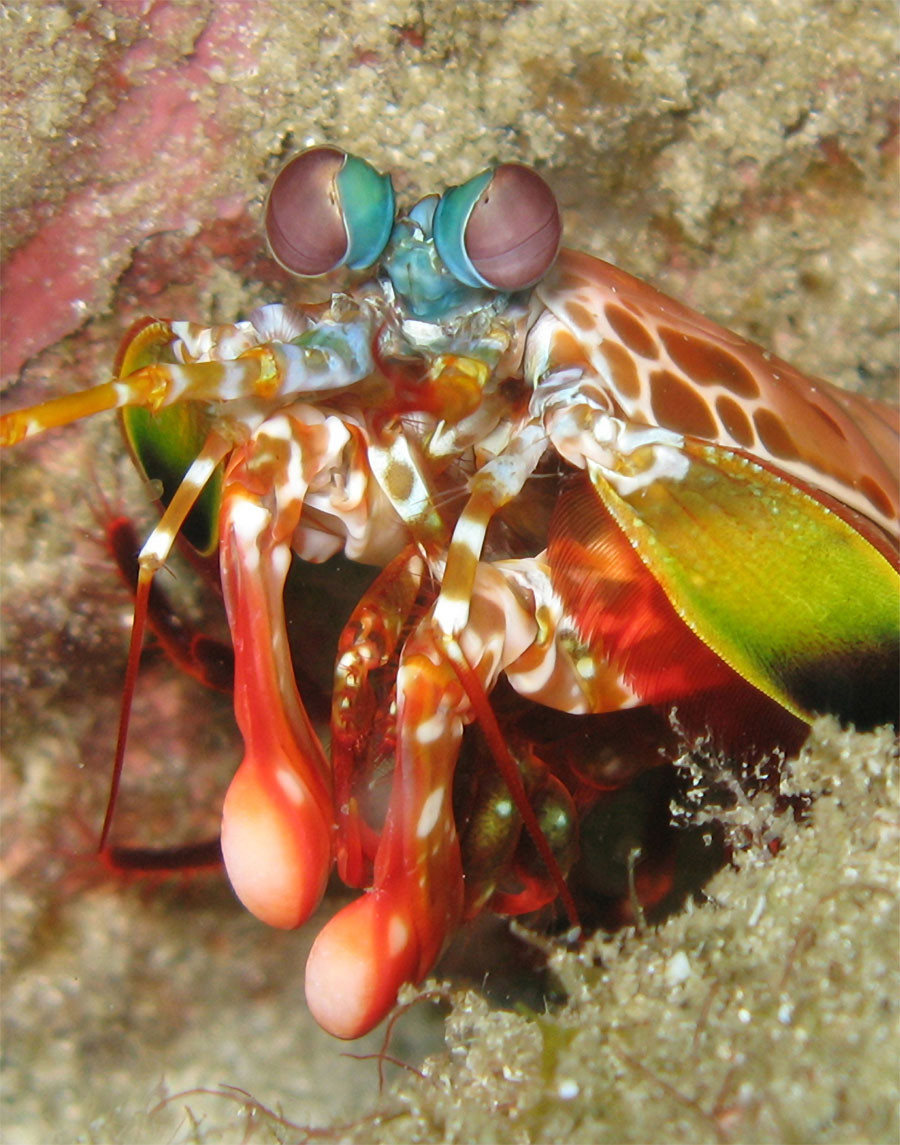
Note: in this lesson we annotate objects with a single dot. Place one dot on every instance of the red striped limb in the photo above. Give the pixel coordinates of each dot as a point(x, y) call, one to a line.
point(151, 559)
point(396, 931)
point(363, 723)
point(277, 817)
point(207, 660)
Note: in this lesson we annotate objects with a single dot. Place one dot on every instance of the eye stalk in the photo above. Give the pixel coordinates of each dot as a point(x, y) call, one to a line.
point(501, 229)
point(328, 209)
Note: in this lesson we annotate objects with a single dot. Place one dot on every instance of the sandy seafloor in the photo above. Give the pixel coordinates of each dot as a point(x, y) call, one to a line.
point(742, 155)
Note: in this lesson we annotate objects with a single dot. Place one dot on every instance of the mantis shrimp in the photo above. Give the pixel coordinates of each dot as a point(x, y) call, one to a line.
point(581, 498)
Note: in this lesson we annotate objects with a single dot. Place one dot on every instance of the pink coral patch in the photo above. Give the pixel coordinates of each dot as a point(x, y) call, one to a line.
point(152, 167)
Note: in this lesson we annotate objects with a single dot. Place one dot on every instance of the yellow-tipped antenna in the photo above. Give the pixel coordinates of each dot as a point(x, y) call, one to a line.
point(152, 387)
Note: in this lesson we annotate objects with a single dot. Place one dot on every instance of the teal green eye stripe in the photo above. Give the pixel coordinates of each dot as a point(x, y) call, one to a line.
point(367, 202)
point(450, 221)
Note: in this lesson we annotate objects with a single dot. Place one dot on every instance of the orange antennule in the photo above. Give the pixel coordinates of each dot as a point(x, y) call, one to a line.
point(152, 387)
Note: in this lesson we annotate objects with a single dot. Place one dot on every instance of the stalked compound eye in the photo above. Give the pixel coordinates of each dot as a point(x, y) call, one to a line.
point(328, 209)
point(501, 229)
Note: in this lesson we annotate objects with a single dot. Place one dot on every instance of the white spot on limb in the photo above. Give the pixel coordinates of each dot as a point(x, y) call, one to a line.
point(451, 609)
point(179, 380)
point(292, 486)
point(291, 786)
point(450, 615)
point(507, 473)
point(279, 428)
point(159, 544)
point(431, 730)
point(430, 813)
point(280, 559)
point(124, 393)
point(504, 476)
point(156, 548)
point(469, 534)
point(397, 936)
point(249, 521)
